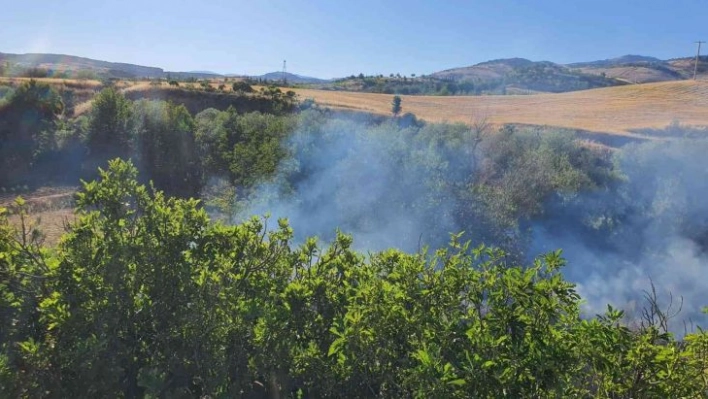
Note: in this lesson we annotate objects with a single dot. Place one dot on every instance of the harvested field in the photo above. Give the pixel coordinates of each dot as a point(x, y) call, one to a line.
point(50, 223)
point(616, 110)
point(49, 208)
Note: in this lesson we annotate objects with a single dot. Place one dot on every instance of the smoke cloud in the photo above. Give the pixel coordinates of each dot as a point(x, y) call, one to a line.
point(362, 181)
point(387, 188)
point(651, 228)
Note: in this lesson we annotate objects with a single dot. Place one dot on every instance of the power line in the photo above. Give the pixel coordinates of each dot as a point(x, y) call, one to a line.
point(698, 55)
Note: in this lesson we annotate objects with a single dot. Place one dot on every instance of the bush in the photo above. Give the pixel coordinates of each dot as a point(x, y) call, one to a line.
point(241, 86)
point(150, 298)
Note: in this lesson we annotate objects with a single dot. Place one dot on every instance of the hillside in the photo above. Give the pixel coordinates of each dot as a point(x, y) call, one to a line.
point(641, 69)
point(289, 77)
point(551, 77)
point(504, 76)
point(616, 110)
point(69, 66)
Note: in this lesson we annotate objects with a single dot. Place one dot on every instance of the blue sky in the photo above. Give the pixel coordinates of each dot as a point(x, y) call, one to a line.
point(336, 38)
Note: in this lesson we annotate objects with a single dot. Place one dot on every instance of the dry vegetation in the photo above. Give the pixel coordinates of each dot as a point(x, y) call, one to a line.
point(616, 110)
point(51, 223)
point(49, 208)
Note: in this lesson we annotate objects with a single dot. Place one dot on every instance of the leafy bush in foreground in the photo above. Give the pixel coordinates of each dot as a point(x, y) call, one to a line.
point(145, 297)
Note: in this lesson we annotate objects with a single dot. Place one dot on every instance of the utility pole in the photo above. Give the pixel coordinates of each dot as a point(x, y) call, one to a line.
point(698, 55)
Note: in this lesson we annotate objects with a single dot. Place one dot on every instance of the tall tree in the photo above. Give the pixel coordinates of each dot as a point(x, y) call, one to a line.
point(110, 126)
point(166, 147)
point(27, 129)
point(396, 105)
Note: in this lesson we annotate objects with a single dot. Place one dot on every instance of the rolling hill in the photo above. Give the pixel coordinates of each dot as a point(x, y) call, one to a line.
point(614, 71)
point(69, 65)
point(520, 73)
point(289, 77)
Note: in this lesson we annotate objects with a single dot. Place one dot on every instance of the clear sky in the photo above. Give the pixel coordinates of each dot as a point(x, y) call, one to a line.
point(334, 38)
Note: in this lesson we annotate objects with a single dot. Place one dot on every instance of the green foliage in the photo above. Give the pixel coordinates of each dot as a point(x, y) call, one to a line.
point(145, 297)
point(110, 130)
point(242, 86)
point(166, 147)
point(85, 74)
point(245, 148)
point(27, 124)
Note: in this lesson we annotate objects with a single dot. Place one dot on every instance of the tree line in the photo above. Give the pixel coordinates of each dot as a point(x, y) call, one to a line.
point(41, 144)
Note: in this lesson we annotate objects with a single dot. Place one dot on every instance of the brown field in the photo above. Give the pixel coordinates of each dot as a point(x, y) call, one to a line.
point(50, 222)
point(616, 110)
point(54, 81)
point(49, 208)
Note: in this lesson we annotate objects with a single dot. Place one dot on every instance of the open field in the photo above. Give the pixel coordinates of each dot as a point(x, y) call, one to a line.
point(49, 208)
point(70, 83)
point(617, 110)
point(50, 222)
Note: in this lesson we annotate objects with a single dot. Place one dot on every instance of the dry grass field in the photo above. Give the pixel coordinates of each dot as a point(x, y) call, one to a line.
point(616, 110)
point(53, 81)
point(50, 222)
point(49, 208)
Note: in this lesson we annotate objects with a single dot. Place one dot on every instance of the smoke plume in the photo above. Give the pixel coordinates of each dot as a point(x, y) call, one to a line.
point(388, 188)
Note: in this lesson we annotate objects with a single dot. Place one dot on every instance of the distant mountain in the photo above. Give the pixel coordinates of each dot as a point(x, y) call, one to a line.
point(70, 65)
point(205, 73)
point(510, 76)
point(641, 69)
point(494, 69)
point(519, 75)
point(289, 77)
point(623, 60)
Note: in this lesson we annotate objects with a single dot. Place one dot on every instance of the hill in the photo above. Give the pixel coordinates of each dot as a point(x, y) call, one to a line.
point(520, 73)
point(289, 77)
point(641, 69)
point(72, 66)
point(623, 60)
point(551, 77)
point(69, 66)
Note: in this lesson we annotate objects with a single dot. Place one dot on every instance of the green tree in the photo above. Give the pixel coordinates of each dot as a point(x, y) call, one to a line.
point(27, 128)
point(110, 129)
point(396, 105)
point(242, 87)
point(166, 148)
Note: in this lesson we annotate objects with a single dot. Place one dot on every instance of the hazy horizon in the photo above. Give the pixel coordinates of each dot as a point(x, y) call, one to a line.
point(328, 39)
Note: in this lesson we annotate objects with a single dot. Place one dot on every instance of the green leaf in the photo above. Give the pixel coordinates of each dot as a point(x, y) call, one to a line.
point(457, 382)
